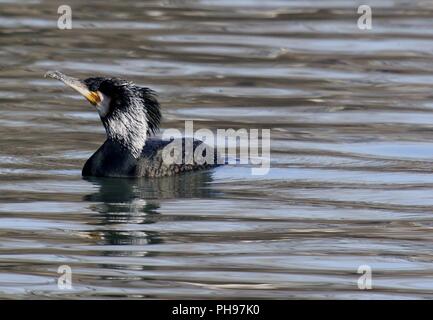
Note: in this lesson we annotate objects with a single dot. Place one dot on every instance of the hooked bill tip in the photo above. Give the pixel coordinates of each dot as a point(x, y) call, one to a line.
point(54, 74)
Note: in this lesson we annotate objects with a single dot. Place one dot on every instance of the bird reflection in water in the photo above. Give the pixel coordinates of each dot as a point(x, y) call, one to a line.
point(136, 201)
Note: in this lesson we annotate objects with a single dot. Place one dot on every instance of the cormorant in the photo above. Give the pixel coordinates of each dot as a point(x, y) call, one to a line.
point(131, 115)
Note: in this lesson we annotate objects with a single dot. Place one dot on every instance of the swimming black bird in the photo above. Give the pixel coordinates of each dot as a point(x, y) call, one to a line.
point(131, 115)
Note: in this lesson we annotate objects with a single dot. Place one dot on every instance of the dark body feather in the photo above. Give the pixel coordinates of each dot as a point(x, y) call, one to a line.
point(113, 160)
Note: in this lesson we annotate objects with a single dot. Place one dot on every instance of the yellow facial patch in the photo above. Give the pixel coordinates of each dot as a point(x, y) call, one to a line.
point(93, 97)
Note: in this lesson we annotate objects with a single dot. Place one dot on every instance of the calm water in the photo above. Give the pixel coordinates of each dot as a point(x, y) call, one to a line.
point(351, 119)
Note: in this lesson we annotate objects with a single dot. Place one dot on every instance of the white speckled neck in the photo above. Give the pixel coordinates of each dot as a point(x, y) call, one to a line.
point(128, 127)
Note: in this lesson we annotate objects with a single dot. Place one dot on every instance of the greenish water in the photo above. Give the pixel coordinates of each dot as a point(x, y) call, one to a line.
point(351, 119)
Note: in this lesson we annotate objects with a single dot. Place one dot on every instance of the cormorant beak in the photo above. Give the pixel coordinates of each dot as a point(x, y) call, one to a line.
point(76, 84)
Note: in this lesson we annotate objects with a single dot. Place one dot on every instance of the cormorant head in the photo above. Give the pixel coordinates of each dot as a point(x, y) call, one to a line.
point(129, 113)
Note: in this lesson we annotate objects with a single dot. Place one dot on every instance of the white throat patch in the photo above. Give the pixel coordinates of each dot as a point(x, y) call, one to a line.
point(103, 106)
